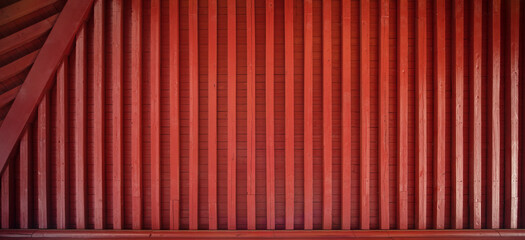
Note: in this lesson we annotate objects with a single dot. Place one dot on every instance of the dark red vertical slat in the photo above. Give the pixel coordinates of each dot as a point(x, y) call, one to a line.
point(512, 119)
point(364, 12)
point(327, 114)
point(25, 215)
point(402, 121)
point(7, 196)
point(174, 115)
point(289, 113)
point(116, 81)
point(475, 125)
point(62, 157)
point(308, 115)
point(383, 115)
point(421, 116)
point(270, 144)
point(494, 135)
point(250, 161)
point(346, 171)
point(80, 128)
point(457, 116)
point(136, 116)
point(42, 162)
point(98, 108)
point(232, 110)
point(439, 115)
point(155, 112)
point(212, 115)
point(194, 114)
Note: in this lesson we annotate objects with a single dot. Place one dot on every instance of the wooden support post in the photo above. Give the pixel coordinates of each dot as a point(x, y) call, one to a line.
point(62, 202)
point(364, 12)
point(174, 115)
point(155, 113)
point(232, 114)
point(212, 115)
point(194, 114)
point(250, 161)
point(80, 128)
point(136, 116)
point(402, 121)
point(346, 172)
point(457, 115)
point(383, 116)
point(25, 173)
point(42, 162)
point(289, 113)
point(327, 114)
point(270, 144)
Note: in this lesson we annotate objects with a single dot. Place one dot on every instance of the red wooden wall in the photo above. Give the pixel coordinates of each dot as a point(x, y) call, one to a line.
point(248, 114)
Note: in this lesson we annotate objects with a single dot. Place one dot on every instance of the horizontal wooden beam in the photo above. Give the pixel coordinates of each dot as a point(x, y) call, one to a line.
point(26, 35)
point(7, 97)
point(15, 67)
point(22, 8)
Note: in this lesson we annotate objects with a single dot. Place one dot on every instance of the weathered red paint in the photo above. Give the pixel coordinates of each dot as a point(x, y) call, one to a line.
point(327, 114)
point(402, 121)
point(212, 115)
point(308, 116)
point(270, 131)
point(155, 113)
point(383, 116)
point(364, 28)
point(62, 153)
point(251, 149)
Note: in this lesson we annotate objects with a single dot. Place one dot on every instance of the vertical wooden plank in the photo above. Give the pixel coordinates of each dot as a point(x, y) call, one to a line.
point(174, 115)
point(136, 116)
point(155, 113)
point(493, 199)
point(25, 174)
point(270, 144)
point(475, 125)
point(116, 81)
point(457, 111)
point(308, 116)
point(232, 112)
point(62, 157)
point(7, 196)
point(42, 161)
point(439, 115)
point(327, 114)
point(212, 115)
point(512, 119)
point(364, 12)
point(194, 114)
point(80, 128)
point(421, 116)
point(383, 116)
point(346, 171)
point(98, 107)
point(402, 113)
point(289, 113)
point(250, 161)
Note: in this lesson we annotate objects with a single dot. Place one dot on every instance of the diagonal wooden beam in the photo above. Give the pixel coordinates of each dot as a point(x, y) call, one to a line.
point(39, 78)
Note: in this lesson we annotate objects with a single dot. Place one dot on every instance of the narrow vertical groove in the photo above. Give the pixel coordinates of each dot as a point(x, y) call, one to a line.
point(232, 110)
point(494, 135)
point(364, 53)
point(174, 114)
point(136, 116)
point(194, 114)
point(289, 113)
point(327, 114)
point(475, 109)
point(42, 162)
point(383, 116)
point(7, 196)
point(212, 115)
point(270, 144)
point(62, 157)
point(439, 115)
point(402, 121)
point(457, 118)
point(250, 161)
point(116, 81)
point(421, 116)
point(25, 171)
point(80, 128)
point(346, 171)
point(98, 115)
point(155, 113)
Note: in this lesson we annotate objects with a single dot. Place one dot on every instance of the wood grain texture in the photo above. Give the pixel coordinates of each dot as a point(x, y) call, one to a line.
point(289, 113)
point(155, 114)
point(364, 54)
point(62, 170)
point(212, 115)
point(270, 122)
point(346, 171)
point(327, 114)
point(136, 114)
point(384, 221)
point(402, 121)
point(194, 115)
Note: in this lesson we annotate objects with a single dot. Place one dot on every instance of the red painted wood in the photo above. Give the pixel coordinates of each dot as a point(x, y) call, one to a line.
point(42, 162)
point(80, 129)
point(136, 116)
point(270, 125)
point(8, 96)
point(12, 69)
point(212, 115)
point(194, 115)
point(289, 113)
point(7, 196)
point(250, 161)
point(439, 115)
point(364, 19)
point(383, 117)
point(494, 122)
point(421, 117)
point(174, 115)
point(21, 9)
point(308, 116)
point(512, 117)
point(402, 121)
point(475, 112)
point(117, 108)
point(25, 184)
point(155, 113)
point(26, 35)
point(327, 114)
point(62, 202)
point(457, 115)
point(232, 123)
point(346, 172)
